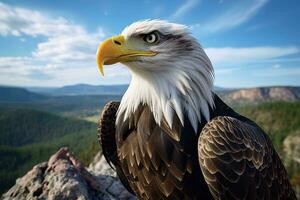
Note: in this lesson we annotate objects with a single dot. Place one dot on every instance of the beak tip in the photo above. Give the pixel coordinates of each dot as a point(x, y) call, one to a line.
point(101, 70)
point(100, 65)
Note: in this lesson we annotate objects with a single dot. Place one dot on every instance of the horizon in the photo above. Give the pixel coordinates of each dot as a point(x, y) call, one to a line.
point(250, 43)
point(127, 84)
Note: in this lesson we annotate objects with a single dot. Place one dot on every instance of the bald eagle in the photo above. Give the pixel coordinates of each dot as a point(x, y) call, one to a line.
point(171, 136)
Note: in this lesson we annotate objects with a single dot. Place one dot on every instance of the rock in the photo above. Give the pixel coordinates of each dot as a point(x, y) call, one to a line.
point(282, 94)
point(107, 176)
point(64, 177)
point(262, 94)
point(99, 166)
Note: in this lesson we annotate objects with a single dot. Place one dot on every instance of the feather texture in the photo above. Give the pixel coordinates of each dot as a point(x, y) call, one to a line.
point(238, 161)
point(160, 162)
point(232, 158)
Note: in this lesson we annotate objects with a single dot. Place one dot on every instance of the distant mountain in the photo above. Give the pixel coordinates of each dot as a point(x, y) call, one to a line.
point(70, 93)
point(41, 90)
point(86, 89)
point(70, 105)
point(82, 89)
point(15, 94)
point(221, 89)
point(262, 94)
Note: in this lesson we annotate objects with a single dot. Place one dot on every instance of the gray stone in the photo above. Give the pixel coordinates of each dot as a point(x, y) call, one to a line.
point(64, 177)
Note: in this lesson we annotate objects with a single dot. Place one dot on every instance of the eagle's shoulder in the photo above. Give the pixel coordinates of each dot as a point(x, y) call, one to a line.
point(238, 161)
point(225, 134)
point(106, 130)
point(107, 139)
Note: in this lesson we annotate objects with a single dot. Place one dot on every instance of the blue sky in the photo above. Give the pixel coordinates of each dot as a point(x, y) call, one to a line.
point(53, 42)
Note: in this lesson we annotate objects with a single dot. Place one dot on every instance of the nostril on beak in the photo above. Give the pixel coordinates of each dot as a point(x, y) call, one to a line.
point(116, 42)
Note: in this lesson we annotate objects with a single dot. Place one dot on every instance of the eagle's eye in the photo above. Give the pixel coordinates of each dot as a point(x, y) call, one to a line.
point(151, 38)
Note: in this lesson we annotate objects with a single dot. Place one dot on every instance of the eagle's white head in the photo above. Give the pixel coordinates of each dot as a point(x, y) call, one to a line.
point(170, 71)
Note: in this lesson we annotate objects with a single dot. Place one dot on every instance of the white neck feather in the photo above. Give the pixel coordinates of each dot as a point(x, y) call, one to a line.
point(183, 88)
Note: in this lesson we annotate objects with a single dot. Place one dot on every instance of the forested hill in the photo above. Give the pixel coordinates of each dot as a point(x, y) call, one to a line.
point(23, 126)
point(14, 94)
point(28, 137)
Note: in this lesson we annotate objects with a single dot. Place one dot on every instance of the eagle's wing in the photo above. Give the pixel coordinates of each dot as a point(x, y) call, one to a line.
point(238, 161)
point(106, 135)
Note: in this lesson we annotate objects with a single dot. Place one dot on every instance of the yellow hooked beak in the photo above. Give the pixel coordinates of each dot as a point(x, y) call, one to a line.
point(115, 50)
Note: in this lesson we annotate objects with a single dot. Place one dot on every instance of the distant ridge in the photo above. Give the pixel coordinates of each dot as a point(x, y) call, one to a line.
point(231, 95)
point(82, 89)
point(86, 89)
point(262, 94)
point(15, 94)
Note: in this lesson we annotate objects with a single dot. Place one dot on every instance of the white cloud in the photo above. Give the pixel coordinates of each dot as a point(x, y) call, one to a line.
point(66, 40)
point(19, 21)
point(27, 71)
point(231, 18)
point(231, 55)
point(184, 8)
point(68, 47)
point(24, 66)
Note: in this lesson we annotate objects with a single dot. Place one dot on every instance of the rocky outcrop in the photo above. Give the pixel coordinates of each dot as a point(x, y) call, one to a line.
point(99, 167)
point(254, 94)
point(261, 94)
point(64, 177)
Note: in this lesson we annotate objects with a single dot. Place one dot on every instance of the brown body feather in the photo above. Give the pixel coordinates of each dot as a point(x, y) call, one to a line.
point(236, 157)
point(239, 162)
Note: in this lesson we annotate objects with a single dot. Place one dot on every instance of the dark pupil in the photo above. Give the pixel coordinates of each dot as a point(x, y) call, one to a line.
point(150, 37)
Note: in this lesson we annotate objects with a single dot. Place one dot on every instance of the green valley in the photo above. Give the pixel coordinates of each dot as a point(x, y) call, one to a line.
point(29, 137)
